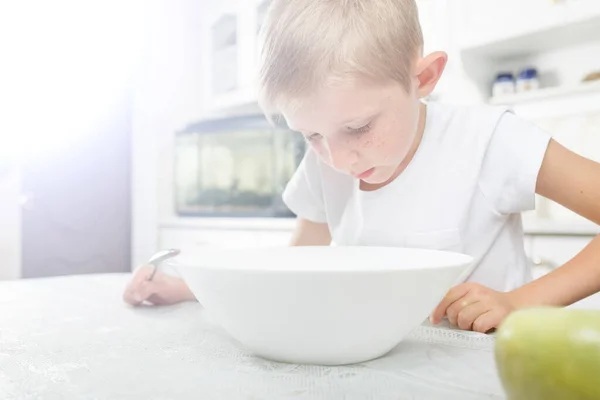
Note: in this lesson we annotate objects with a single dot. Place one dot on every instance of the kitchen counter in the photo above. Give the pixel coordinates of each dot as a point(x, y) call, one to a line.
point(268, 224)
point(536, 227)
point(531, 226)
point(72, 338)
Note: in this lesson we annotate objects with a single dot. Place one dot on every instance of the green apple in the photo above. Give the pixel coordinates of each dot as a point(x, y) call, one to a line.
point(550, 354)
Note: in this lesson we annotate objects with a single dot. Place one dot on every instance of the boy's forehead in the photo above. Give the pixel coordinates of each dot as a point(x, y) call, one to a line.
point(337, 105)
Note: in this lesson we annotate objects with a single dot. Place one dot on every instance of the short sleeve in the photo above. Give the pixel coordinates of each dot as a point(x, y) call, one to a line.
point(303, 194)
point(512, 163)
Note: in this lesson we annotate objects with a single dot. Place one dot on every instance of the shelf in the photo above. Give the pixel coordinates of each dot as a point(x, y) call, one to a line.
point(560, 228)
point(552, 37)
point(554, 102)
point(570, 25)
point(546, 93)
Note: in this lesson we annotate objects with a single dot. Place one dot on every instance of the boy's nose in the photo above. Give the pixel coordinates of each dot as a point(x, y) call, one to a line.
point(342, 157)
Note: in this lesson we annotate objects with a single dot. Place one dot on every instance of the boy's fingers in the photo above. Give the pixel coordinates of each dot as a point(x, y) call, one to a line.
point(455, 308)
point(130, 296)
point(141, 274)
point(466, 316)
point(145, 290)
point(453, 295)
point(136, 293)
point(485, 322)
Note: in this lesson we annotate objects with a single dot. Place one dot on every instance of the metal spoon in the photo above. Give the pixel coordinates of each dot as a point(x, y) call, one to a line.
point(158, 258)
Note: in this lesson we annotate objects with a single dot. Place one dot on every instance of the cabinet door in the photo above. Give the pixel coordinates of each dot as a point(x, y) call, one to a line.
point(233, 47)
point(224, 50)
point(221, 49)
point(194, 239)
point(492, 20)
point(251, 16)
point(581, 10)
point(552, 252)
point(191, 239)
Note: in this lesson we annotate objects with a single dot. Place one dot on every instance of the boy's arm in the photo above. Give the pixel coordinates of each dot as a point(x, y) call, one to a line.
point(574, 182)
point(308, 233)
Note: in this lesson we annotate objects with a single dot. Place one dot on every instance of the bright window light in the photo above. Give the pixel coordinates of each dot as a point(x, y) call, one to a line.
point(62, 64)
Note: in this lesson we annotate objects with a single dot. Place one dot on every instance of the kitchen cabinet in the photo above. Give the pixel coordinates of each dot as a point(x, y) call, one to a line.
point(490, 21)
point(499, 35)
point(582, 10)
point(232, 47)
point(547, 253)
point(191, 240)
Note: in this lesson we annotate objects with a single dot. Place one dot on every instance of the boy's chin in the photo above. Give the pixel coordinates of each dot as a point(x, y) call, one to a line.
point(381, 176)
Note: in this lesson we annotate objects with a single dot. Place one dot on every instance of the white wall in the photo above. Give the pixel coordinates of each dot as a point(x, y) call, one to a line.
point(440, 22)
point(168, 96)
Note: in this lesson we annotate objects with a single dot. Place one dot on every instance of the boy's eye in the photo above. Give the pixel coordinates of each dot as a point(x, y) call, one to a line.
point(362, 129)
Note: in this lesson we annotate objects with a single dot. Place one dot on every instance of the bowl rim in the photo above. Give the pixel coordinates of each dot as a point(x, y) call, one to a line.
point(460, 259)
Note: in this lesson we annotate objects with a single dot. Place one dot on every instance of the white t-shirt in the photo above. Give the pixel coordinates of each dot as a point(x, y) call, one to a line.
point(473, 174)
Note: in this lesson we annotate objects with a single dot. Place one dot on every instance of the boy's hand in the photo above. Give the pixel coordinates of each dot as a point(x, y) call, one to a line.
point(161, 290)
point(471, 306)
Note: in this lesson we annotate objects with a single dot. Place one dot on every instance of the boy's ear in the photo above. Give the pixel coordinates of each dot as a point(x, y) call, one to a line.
point(429, 71)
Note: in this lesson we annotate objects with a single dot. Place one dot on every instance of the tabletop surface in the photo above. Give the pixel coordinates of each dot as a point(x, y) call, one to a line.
point(73, 338)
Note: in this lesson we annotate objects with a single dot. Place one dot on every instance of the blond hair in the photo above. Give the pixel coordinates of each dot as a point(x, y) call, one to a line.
point(310, 43)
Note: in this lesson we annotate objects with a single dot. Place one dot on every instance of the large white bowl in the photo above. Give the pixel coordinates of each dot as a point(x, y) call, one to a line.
point(321, 305)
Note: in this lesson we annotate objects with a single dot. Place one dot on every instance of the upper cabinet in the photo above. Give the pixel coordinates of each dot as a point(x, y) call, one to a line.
point(506, 35)
point(507, 28)
point(231, 53)
point(583, 10)
point(491, 21)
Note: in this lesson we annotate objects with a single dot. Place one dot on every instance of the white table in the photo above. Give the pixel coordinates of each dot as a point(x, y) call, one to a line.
point(73, 338)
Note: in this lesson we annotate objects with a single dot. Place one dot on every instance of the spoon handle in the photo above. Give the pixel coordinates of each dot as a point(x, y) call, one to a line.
point(158, 258)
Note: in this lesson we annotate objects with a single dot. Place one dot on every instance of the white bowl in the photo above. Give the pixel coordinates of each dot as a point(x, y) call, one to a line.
point(321, 305)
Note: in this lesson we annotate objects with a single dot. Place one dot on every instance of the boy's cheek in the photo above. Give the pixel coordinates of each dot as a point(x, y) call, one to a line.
point(322, 152)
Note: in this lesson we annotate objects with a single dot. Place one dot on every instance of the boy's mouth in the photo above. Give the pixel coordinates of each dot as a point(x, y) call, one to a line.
point(365, 174)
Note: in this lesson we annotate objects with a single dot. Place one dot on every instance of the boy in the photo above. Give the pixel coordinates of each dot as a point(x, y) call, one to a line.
point(384, 168)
